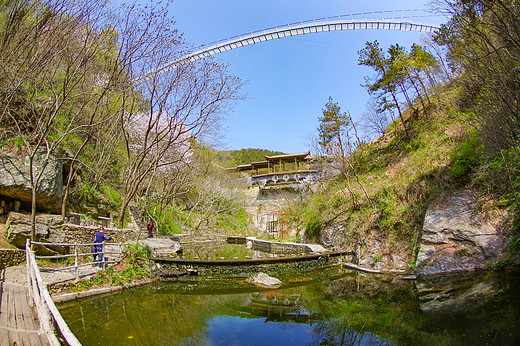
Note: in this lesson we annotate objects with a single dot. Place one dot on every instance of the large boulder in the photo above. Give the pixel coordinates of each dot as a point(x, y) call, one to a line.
point(459, 237)
point(48, 230)
point(15, 180)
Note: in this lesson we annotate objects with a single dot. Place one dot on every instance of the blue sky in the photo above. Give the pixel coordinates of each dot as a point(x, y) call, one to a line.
point(290, 80)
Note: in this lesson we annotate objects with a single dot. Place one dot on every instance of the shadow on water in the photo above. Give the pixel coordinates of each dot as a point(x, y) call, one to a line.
point(329, 307)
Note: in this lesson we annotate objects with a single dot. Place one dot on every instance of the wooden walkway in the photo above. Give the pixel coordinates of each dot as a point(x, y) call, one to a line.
point(18, 322)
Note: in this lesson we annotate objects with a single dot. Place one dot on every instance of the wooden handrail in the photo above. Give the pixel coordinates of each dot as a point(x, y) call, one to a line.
point(45, 305)
point(75, 244)
point(76, 254)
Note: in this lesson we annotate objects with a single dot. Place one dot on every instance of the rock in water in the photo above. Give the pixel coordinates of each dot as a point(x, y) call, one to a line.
point(266, 281)
point(458, 237)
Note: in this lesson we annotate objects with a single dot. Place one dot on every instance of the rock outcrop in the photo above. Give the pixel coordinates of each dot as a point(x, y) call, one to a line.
point(48, 229)
point(458, 237)
point(162, 247)
point(15, 181)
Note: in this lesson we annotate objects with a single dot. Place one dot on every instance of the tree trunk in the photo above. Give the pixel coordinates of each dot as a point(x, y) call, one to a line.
point(122, 212)
point(400, 114)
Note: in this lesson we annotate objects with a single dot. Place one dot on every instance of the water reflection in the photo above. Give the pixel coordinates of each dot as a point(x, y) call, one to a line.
point(219, 250)
point(330, 307)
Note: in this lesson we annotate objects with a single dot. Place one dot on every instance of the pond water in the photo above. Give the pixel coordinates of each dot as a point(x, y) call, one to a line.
point(326, 307)
point(219, 250)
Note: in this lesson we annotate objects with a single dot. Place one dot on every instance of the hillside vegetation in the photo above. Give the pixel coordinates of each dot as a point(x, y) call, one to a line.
point(233, 158)
point(81, 80)
point(396, 178)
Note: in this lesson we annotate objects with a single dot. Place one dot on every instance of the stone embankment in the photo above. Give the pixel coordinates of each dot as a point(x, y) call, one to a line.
point(277, 247)
point(248, 267)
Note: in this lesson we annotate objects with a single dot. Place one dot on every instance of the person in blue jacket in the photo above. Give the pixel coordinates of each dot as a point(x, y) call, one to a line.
point(98, 247)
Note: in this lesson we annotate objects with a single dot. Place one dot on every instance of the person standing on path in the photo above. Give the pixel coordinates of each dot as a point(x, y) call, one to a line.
point(97, 248)
point(149, 228)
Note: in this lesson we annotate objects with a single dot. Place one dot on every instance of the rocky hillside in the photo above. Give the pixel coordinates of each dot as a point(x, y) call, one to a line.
point(378, 210)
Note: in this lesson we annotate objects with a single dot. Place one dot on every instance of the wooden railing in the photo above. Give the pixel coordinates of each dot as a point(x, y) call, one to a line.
point(77, 254)
point(47, 311)
point(48, 314)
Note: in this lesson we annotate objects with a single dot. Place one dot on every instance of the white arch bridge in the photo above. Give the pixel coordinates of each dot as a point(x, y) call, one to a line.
point(295, 29)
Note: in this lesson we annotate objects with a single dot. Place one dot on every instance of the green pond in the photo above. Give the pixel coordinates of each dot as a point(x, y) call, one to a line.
point(218, 250)
point(333, 306)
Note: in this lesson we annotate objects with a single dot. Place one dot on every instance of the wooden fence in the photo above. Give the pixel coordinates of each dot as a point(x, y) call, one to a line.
point(47, 311)
point(77, 254)
point(48, 314)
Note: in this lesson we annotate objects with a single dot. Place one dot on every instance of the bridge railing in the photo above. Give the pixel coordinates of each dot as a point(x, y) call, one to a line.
point(298, 28)
point(48, 314)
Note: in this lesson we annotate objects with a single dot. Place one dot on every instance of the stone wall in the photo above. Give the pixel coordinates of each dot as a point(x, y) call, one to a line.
point(259, 202)
point(284, 248)
point(213, 269)
point(11, 257)
point(52, 229)
point(85, 234)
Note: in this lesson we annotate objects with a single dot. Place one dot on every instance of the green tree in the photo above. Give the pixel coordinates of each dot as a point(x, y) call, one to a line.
point(386, 81)
point(333, 126)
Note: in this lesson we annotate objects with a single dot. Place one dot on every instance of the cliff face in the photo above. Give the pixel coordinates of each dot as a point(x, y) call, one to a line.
point(15, 181)
point(259, 204)
point(459, 236)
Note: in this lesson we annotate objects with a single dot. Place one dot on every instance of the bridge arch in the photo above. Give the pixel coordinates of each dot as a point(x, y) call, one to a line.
point(289, 30)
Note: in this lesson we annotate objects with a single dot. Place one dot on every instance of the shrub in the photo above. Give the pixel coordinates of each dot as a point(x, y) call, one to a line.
point(465, 159)
point(313, 228)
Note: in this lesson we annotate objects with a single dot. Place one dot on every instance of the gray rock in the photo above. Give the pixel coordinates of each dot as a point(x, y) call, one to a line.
point(266, 281)
point(457, 237)
point(48, 230)
point(162, 247)
point(15, 181)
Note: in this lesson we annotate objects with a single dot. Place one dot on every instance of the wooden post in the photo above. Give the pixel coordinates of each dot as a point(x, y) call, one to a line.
point(76, 262)
point(103, 255)
point(28, 274)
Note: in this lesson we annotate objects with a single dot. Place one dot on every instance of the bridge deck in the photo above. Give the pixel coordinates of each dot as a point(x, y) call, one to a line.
point(18, 323)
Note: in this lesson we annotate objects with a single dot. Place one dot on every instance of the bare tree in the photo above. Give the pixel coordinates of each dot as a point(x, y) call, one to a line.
point(374, 121)
point(53, 59)
point(167, 108)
